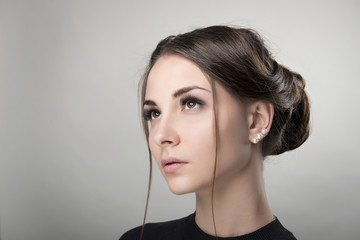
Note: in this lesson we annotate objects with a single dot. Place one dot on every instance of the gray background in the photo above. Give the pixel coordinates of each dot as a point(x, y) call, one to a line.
point(73, 157)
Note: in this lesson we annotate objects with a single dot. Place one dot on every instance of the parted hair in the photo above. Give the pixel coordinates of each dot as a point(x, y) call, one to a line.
point(238, 59)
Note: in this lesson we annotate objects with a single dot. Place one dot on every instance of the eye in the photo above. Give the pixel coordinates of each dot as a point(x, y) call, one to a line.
point(190, 104)
point(154, 114)
point(151, 114)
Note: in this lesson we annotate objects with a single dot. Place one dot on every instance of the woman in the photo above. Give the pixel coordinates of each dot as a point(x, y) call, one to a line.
point(215, 104)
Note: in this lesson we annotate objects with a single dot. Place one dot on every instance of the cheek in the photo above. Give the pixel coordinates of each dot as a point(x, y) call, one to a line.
point(233, 144)
point(154, 148)
point(151, 142)
point(198, 137)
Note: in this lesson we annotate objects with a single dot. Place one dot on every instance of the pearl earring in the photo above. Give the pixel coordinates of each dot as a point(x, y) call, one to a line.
point(259, 136)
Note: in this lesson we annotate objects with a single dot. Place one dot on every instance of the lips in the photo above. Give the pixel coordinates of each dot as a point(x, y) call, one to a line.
point(171, 165)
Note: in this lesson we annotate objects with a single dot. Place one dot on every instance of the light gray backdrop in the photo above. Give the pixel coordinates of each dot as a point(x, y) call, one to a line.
point(73, 157)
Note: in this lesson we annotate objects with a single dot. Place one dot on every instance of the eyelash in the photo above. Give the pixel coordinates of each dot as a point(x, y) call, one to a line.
point(147, 113)
point(191, 98)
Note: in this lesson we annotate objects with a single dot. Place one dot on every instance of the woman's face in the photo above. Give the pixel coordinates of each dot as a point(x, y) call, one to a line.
point(179, 107)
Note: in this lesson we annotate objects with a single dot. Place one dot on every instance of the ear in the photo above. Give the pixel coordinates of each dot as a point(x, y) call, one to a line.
point(260, 118)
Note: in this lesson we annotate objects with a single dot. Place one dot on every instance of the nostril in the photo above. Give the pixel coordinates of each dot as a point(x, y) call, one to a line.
point(167, 142)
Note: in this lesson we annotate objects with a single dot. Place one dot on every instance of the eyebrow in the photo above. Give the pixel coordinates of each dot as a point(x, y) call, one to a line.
point(177, 93)
point(184, 90)
point(149, 102)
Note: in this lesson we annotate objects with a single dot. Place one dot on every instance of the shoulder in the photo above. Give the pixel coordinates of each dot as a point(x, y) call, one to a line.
point(161, 230)
point(272, 231)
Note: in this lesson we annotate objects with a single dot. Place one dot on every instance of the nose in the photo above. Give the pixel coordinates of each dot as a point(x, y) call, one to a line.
point(165, 133)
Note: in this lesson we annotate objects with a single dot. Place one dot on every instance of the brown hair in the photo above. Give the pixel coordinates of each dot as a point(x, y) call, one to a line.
point(238, 59)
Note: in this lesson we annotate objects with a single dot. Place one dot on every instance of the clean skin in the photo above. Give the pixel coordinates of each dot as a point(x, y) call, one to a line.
point(179, 107)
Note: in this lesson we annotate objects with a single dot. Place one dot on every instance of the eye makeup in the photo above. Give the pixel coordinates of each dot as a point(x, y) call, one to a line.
point(187, 102)
point(190, 98)
point(150, 114)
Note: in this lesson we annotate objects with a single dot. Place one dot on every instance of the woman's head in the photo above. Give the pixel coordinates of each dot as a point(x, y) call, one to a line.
point(237, 60)
point(179, 105)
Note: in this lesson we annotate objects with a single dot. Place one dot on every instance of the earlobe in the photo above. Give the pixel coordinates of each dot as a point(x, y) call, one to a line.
point(261, 115)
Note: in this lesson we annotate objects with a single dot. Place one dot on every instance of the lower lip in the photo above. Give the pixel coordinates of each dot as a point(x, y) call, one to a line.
point(171, 168)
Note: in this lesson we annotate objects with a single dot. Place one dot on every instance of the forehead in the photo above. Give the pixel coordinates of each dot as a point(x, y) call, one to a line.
point(172, 72)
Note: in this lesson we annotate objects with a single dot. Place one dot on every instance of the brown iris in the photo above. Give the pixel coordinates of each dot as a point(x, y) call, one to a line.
point(190, 104)
point(155, 114)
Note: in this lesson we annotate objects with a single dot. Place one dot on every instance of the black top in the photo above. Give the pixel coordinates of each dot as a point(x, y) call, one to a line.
point(186, 229)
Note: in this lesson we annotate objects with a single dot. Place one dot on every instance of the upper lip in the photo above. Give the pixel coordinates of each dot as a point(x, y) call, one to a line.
point(169, 160)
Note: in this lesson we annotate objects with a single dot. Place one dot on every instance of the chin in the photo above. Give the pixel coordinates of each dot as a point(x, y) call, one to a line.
point(179, 190)
point(179, 187)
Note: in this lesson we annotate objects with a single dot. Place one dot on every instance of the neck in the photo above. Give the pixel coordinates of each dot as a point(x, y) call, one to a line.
point(240, 204)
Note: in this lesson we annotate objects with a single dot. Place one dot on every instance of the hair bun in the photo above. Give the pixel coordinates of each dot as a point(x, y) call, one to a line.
point(293, 110)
